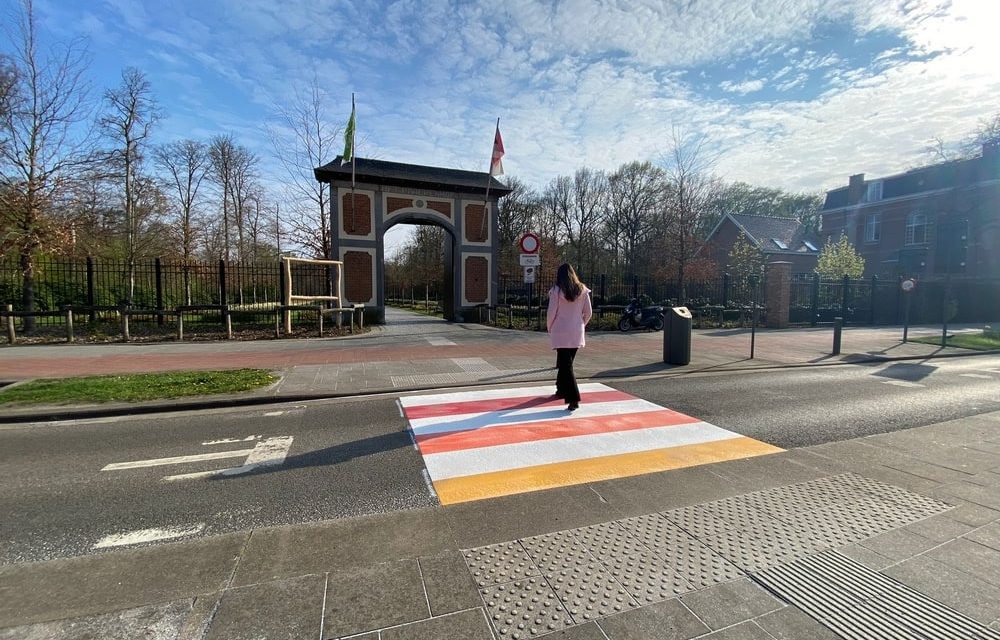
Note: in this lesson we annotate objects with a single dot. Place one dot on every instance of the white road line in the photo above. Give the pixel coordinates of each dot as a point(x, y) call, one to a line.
point(271, 414)
point(902, 383)
point(430, 485)
point(441, 342)
point(493, 394)
point(231, 440)
point(219, 455)
point(978, 376)
point(147, 535)
point(269, 453)
point(399, 406)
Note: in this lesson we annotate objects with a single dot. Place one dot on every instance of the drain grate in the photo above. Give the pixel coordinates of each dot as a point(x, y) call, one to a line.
point(859, 603)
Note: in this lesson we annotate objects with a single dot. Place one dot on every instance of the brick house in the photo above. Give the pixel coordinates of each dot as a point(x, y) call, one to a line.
point(784, 239)
point(925, 222)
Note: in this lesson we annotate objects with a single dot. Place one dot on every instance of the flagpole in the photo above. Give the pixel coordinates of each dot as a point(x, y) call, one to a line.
point(489, 179)
point(354, 164)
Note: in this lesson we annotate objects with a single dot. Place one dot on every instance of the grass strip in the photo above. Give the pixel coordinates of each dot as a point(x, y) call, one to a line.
point(135, 388)
point(975, 341)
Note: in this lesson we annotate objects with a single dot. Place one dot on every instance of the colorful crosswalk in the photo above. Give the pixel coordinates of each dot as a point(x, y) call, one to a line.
point(496, 442)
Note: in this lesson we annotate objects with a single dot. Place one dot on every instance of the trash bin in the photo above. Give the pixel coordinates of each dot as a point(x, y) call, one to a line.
point(677, 336)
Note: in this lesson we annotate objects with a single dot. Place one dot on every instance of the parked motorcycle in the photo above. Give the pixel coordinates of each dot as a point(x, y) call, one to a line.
point(635, 317)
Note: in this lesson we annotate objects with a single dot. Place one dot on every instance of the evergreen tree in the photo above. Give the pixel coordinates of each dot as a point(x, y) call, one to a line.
point(839, 259)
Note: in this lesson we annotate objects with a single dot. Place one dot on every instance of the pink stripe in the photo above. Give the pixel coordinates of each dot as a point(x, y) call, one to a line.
point(507, 404)
point(548, 430)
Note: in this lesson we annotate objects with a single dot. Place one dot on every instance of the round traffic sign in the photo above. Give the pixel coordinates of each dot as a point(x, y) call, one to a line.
point(908, 285)
point(529, 243)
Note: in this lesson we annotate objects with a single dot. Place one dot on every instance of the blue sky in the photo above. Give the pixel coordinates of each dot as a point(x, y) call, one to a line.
point(792, 94)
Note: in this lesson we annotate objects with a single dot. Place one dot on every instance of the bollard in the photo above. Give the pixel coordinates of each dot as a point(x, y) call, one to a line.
point(125, 334)
point(838, 325)
point(180, 326)
point(229, 322)
point(69, 325)
point(11, 338)
point(320, 314)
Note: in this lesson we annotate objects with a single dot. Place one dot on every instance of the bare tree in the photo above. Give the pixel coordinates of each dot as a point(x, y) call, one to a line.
point(46, 104)
point(234, 171)
point(557, 200)
point(131, 113)
point(303, 140)
point(515, 215)
point(184, 164)
point(687, 168)
point(635, 193)
point(590, 190)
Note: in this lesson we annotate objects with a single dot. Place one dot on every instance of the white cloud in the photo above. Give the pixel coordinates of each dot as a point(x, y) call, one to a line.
point(742, 88)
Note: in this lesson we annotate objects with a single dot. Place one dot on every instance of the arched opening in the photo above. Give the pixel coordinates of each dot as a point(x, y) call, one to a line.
point(417, 265)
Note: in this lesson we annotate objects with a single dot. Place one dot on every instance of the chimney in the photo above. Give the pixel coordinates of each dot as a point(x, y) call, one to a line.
point(856, 188)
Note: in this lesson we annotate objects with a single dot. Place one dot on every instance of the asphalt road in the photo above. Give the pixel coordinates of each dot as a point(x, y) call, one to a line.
point(64, 491)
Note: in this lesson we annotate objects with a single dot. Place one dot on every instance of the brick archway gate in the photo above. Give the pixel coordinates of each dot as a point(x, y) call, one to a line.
point(389, 193)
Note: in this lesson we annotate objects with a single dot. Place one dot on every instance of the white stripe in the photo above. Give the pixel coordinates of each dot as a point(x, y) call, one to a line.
point(493, 394)
point(467, 421)
point(231, 440)
point(146, 535)
point(271, 414)
point(271, 452)
point(219, 455)
point(978, 376)
point(441, 342)
point(902, 383)
point(453, 464)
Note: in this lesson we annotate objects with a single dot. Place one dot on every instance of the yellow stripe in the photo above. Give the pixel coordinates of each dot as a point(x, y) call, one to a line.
point(560, 474)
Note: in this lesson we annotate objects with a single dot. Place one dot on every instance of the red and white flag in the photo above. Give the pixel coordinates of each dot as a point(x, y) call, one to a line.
point(496, 166)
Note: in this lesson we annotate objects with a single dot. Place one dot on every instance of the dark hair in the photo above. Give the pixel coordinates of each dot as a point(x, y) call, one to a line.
point(568, 282)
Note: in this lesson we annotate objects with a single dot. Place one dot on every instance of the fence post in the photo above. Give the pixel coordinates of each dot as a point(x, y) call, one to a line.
point(726, 284)
point(69, 324)
point(158, 271)
point(123, 310)
point(223, 296)
point(11, 338)
point(874, 287)
point(635, 287)
point(90, 289)
point(814, 303)
point(843, 298)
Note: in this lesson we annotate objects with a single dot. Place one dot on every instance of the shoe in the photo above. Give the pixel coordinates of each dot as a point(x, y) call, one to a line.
point(573, 406)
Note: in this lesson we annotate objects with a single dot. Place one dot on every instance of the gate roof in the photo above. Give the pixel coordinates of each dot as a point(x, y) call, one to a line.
point(411, 175)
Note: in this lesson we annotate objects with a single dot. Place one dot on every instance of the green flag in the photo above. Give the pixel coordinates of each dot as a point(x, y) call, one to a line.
point(349, 138)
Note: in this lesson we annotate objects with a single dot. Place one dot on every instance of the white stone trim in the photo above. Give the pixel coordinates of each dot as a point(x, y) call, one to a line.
point(419, 206)
point(489, 277)
point(341, 191)
point(372, 252)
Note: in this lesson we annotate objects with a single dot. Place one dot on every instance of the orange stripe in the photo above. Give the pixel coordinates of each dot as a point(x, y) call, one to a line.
point(561, 474)
point(507, 404)
point(548, 429)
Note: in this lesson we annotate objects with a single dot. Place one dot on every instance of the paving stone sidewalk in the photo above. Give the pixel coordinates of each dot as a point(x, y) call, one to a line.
point(893, 535)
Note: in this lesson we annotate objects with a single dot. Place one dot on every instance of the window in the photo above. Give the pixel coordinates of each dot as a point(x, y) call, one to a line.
point(873, 227)
point(873, 191)
point(810, 245)
point(781, 245)
point(916, 228)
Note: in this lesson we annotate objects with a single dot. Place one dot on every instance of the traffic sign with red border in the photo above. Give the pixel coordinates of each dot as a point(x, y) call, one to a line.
point(529, 243)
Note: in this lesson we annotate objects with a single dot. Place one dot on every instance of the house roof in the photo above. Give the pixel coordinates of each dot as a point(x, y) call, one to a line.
point(930, 178)
point(768, 231)
point(411, 175)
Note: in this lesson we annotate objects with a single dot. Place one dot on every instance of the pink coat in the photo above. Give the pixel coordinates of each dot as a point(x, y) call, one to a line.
point(565, 320)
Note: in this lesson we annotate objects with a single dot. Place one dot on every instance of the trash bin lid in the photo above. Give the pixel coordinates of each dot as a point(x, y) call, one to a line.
point(682, 312)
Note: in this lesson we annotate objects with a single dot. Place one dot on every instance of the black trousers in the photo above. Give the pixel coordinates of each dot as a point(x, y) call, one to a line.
point(565, 378)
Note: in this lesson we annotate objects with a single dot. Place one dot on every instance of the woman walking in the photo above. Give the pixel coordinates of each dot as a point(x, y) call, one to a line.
point(569, 312)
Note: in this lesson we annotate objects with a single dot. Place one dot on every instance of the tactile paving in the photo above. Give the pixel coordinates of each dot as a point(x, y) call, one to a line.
point(525, 609)
point(653, 530)
point(607, 540)
point(497, 563)
point(589, 591)
point(763, 545)
point(648, 577)
point(698, 564)
point(556, 551)
point(913, 502)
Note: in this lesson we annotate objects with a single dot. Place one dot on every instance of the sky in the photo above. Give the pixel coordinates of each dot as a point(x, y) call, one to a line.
point(794, 94)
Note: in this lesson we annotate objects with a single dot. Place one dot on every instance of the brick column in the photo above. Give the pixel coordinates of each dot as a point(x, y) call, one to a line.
point(777, 296)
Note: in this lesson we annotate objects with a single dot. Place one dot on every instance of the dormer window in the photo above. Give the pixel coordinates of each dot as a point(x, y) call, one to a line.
point(810, 245)
point(873, 191)
point(781, 245)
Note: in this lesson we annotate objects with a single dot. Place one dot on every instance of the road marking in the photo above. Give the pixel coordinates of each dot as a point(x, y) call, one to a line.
point(137, 464)
point(494, 442)
point(441, 342)
point(269, 453)
point(147, 535)
point(271, 414)
point(902, 383)
point(978, 376)
point(231, 440)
